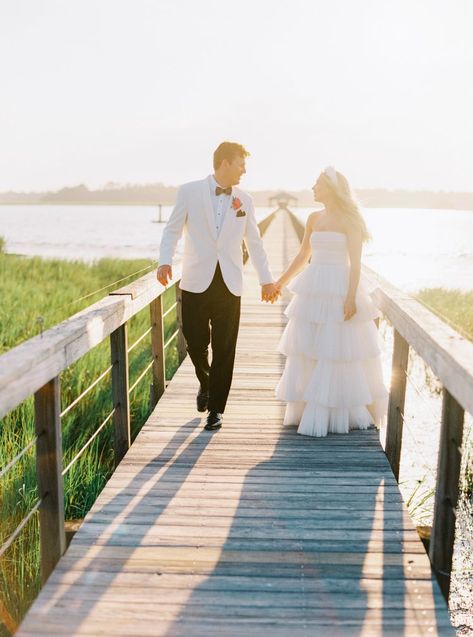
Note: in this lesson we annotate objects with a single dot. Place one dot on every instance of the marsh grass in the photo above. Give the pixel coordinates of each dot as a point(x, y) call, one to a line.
point(421, 501)
point(455, 307)
point(50, 288)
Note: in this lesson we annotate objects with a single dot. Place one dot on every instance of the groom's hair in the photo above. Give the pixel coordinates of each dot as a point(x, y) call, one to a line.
point(228, 150)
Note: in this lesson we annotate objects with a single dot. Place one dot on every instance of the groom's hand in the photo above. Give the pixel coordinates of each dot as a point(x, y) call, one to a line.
point(269, 292)
point(164, 274)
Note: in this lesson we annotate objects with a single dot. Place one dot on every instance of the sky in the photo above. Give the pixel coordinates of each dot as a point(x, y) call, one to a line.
point(142, 91)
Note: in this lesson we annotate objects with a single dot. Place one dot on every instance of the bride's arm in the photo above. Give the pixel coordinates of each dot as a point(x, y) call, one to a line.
point(302, 256)
point(355, 244)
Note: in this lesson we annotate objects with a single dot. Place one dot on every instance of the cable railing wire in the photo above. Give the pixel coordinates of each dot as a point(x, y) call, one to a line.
point(105, 287)
point(170, 309)
point(89, 442)
point(6, 545)
point(19, 456)
point(427, 404)
point(86, 391)
point(171, 339)
point(417, 445)
point(138, 341)
point(421, 395)
point(141, 376)
point(102, 289)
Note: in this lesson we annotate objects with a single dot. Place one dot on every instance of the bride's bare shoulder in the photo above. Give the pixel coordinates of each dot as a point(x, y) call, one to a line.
point(313, 218)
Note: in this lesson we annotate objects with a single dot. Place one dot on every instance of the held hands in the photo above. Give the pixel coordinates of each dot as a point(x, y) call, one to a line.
point(270, 292)
point(164, 274)
point(349, 308)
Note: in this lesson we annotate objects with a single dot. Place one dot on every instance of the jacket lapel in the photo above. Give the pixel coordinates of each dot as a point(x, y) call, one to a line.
point(209, 211)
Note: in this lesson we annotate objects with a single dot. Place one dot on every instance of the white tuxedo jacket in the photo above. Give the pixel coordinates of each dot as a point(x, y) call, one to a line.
point(193, 214)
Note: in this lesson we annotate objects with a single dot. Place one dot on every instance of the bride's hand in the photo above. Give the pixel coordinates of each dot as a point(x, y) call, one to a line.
point(349, 309)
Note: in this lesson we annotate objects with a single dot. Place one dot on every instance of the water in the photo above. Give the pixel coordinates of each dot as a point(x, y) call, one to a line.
point(412, 248)
point(416, 248)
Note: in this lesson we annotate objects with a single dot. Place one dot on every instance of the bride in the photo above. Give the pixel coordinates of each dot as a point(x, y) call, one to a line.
point(332, 380)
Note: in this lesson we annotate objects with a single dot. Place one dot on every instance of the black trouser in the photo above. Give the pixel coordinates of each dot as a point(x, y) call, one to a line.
point(212, 316)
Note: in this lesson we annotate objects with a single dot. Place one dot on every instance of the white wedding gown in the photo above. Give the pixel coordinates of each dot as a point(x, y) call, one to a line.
point(332, 380)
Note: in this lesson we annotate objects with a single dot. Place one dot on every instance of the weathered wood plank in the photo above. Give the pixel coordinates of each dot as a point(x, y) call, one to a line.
point(239, 583)
point(285, 603)
point(376, 623)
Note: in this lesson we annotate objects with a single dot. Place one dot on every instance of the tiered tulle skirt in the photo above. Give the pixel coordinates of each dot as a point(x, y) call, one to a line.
point(332, 380)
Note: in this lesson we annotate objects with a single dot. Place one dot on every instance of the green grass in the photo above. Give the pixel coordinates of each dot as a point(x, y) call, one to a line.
point(453, 306)
point(32, 288)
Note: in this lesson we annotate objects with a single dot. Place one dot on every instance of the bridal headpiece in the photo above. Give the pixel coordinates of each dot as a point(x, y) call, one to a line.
point(331, 174)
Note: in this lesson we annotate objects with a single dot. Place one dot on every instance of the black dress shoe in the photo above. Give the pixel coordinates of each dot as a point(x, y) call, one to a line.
point(202, 400)
point(214, 421)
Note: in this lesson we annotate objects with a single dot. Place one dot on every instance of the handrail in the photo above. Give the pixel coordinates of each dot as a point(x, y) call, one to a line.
point(26, 368)
point(450, 356)
point(446, 351)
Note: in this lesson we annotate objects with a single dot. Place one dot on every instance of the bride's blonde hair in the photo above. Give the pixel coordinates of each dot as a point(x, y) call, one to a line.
point(344, 199)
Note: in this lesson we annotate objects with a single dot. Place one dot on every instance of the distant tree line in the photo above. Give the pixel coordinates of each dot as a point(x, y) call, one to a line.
point(153, 194)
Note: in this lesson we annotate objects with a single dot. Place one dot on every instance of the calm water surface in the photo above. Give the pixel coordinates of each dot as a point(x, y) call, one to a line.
point(412, 248)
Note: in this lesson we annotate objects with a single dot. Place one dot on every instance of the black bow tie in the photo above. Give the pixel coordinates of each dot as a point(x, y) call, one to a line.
point(225, 191)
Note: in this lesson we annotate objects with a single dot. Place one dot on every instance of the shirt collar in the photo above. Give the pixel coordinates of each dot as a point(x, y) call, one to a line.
point(214, 184)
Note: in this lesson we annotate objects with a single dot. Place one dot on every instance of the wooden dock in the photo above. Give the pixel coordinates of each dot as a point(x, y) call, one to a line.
point(249, 531)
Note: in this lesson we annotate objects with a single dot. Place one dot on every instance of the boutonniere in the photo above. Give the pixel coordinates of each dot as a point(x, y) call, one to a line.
point(236, 205)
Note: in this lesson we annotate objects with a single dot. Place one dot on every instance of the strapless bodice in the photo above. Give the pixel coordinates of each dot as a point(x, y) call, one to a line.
point(329, 247)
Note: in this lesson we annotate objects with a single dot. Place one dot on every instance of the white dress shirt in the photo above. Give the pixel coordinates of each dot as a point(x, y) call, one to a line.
point(220, 204)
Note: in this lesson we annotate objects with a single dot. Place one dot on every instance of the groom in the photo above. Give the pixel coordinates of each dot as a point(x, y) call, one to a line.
point(215, 217)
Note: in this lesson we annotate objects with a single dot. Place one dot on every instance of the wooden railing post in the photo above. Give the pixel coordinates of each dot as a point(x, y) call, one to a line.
point(157, 347)
point(49, 475)
point(446, 492)
point(181, 341)
point(120, 394)
point(397, 397)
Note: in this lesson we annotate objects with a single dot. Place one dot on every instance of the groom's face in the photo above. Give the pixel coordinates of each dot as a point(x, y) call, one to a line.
point(236, 169)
